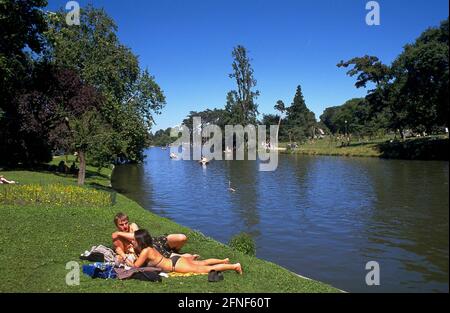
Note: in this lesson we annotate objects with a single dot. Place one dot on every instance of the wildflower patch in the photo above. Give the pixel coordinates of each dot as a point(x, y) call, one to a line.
point(54, 195)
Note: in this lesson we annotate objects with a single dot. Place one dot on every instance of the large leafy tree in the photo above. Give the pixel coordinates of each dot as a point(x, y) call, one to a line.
point(385, 96)
point(61, 108)
point(421, 76)
point(131, 95)
point(368, 69)
point(217, 117)
point(22, 24)
point(355, 117)
point(241, 103)
point(328, 118)
point(413, 91)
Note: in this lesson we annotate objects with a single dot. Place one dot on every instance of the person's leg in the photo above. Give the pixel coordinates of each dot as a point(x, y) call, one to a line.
point(188, 266)
point(226, 267)
point(212, 261)
point(176, 241)
point(187, 255)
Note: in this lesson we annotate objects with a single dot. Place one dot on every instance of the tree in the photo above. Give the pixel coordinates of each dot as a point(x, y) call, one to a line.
point(300, 120)
point(21, 27)
point(369, 69)
point(268, 120)
point(328, 118)
point(218, 117)
point(241, 102)
point(61, 108)
point(354, 117)
point(90, 134)
point(280, 107)
point(413, 91)
point(131, 95)
point(421, 77)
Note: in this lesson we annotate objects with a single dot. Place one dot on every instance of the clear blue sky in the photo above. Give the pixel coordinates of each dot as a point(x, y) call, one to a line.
point(187, 44)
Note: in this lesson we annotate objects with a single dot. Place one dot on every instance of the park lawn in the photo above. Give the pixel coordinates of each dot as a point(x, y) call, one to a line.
point(434, 147)
point(37, 241)
point(332, 147)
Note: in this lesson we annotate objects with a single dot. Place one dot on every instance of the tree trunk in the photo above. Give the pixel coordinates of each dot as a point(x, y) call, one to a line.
point(82, 170)
point(278, 129)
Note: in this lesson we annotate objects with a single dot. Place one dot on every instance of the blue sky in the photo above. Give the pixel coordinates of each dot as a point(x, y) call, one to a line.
point(187, 45)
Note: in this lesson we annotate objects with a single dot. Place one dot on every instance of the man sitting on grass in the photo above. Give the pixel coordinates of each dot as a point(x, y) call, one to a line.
point(124, 241)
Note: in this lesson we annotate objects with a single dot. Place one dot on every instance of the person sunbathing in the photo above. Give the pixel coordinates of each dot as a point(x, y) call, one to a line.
point(149, 256)
point(124, 241)
point(3, 180)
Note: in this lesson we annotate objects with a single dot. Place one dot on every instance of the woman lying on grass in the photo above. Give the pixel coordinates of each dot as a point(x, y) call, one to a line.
point(148, 256)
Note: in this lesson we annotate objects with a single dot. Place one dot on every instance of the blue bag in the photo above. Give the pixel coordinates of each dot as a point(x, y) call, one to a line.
point(99, 270)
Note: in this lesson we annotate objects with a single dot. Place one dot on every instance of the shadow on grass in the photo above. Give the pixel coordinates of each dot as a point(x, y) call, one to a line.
point(358, 144)
point(53, 169)
point(416, 149)
point(112, 192)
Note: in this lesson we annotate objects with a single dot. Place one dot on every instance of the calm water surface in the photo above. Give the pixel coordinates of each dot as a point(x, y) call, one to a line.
point(321, 217)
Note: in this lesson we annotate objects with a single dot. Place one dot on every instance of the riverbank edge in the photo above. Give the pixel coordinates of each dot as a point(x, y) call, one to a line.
point(28, 177)
point(297, 274)
point(433, 148)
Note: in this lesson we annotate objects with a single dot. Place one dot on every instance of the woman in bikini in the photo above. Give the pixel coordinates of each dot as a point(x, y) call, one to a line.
point(151, 257)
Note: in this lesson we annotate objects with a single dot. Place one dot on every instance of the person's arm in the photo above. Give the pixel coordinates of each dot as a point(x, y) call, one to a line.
point(118, 245)
point(125, 235)
point(141, 260)
point(120, 252)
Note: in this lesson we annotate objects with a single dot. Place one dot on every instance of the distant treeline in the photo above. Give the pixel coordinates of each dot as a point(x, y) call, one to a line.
point(410, 96)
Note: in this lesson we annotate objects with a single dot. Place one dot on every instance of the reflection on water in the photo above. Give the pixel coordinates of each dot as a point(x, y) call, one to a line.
point(322, 217)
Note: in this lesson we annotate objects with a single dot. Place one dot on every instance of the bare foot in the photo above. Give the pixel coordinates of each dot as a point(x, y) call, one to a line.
point(238, 268)
point(226, 261)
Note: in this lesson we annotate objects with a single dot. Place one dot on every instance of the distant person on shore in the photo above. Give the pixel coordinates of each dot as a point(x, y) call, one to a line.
point(3, 180)
point(124, 240)
point(62, 167)
point(150, 256)
point(73, 169)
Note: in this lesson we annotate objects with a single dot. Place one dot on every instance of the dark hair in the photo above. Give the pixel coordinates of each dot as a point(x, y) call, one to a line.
point(143, 239)
point(120, 217)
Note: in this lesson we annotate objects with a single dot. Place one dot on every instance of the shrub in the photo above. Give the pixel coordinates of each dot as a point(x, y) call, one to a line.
point(244, 243)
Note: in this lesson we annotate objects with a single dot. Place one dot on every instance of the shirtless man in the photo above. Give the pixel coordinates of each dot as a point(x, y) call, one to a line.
point(124, 241)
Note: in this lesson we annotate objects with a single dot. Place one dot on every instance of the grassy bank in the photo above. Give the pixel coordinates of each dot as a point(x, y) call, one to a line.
point(38, 239)
point(428, 148)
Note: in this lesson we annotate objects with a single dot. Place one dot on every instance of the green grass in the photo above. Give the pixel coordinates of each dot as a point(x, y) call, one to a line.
point(327, 146)
point(37, 241)
point(422, 148)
